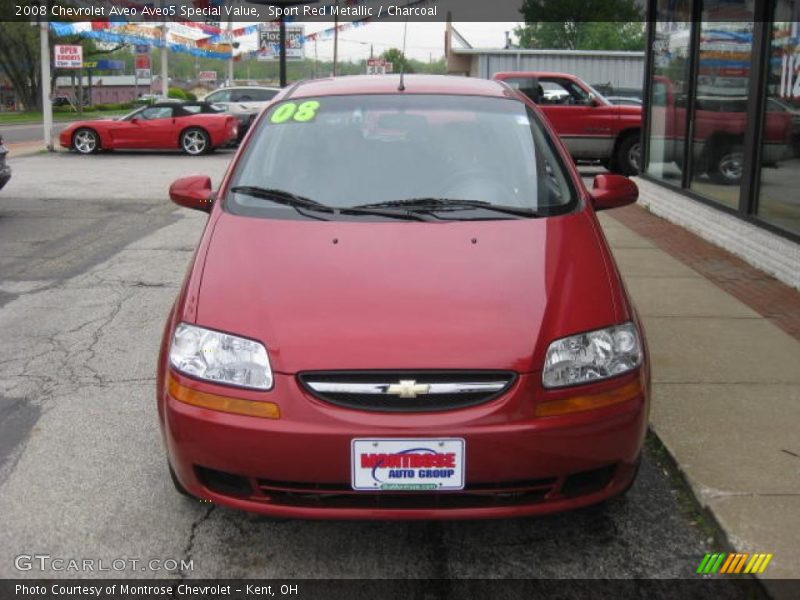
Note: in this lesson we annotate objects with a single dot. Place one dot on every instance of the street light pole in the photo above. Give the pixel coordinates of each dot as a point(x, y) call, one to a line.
point(164, 60)
point(47, 105)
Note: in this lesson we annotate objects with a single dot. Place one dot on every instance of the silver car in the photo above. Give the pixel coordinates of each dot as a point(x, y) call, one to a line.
point(243, 102)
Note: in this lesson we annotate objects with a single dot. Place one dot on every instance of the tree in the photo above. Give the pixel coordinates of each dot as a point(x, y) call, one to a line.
point(561, 24)
point(19, 59)
point(398, 60)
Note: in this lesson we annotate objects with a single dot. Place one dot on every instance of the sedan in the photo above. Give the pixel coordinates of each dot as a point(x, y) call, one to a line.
point(403, 307)
point(193, 127)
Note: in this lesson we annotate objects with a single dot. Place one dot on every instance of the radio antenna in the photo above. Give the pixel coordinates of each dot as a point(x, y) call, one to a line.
point(402, 86)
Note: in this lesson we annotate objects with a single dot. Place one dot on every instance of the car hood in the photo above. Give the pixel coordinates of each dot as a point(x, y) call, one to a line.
point(406, 295)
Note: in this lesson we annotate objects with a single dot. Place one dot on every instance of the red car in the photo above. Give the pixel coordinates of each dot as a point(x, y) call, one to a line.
point(193, 127)
point(402, 307)
point(591, 127)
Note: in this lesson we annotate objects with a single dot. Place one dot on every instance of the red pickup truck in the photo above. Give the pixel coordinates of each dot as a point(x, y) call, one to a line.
point(594, 129)
point(719, 126)
point(591, 127)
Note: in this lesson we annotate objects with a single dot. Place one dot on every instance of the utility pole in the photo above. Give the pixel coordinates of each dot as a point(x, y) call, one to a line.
point(164, 60)
point(47, 105)
point(335, 38)
point(230, 43)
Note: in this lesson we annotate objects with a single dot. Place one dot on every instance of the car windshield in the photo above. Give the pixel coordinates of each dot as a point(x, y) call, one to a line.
point(416, 151)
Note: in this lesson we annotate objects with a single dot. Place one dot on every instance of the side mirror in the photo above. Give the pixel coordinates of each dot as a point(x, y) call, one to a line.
point(613, 191)
point(193, 192)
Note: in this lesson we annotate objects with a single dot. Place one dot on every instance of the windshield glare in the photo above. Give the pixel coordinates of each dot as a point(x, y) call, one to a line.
point(345, 151)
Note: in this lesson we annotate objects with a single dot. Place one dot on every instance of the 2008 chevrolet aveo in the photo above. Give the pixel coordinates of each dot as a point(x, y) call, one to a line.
point(403, 307)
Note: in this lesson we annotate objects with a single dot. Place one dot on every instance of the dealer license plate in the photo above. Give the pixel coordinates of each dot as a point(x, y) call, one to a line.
point(403, 465)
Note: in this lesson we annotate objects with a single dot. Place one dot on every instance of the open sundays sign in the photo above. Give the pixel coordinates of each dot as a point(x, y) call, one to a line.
point(68, 57)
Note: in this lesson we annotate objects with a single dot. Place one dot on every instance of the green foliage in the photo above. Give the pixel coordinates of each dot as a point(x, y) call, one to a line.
point(398, 60)
point(176, 93)
point(190, 97)
point(562, 24)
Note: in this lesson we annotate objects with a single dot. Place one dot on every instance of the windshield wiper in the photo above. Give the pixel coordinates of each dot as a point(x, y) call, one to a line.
point(281, 197)
point(436, 204)
point(300, 202)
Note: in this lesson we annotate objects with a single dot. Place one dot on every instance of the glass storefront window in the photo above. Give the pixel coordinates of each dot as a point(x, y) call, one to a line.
point(721, 102)
point(779, 198)
point(668, 90)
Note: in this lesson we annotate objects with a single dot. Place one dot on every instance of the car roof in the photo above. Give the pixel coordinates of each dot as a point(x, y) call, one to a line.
point(508, 74)
point(388, 84)
point(246, 87)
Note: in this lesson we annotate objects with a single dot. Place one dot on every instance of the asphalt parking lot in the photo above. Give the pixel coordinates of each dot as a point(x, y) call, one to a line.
point(91, 256)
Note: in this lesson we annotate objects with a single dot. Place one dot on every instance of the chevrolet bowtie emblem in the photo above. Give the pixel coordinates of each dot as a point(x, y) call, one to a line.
point(408, 388)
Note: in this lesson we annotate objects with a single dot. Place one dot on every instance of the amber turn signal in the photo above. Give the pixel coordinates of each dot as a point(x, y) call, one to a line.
point(575, 404)
point(237, 406)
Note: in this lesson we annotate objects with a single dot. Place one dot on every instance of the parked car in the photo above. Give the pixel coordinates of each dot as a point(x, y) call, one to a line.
point(5, 170)
point(193, 127)
point(590, 126)
point(244, 102)
point(403, 306)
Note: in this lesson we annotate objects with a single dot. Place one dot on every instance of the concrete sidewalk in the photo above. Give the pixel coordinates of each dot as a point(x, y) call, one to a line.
point(726, 393)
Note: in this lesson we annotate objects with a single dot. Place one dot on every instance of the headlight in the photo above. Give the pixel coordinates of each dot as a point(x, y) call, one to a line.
point(220, 357)
point(592, 356)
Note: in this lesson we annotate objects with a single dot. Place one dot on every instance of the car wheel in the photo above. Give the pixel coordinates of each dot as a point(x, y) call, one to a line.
point(628, 156)
point(728, 165)
point(195, 141)
point(178, 485)
point(85, 141)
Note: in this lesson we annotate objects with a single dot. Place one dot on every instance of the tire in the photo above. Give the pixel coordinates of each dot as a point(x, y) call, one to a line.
point(195, 141)
point(628, 155)
point(85, 141)
point(178, 485)
point(727, 165)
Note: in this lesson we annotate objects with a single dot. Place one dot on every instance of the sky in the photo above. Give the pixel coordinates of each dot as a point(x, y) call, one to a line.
point(425, 40)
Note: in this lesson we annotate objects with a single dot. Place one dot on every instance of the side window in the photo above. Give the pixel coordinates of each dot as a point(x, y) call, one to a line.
point(529, 86)
point(262, 95)
point(156, 112)
point(562, 92)
point(220, 96)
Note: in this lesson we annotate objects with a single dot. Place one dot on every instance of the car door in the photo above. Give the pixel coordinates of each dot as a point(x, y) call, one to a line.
point(221, 98)
point(587, 126)
point(157, 128)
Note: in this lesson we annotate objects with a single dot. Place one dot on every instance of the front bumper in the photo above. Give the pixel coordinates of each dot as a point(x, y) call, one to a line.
point(298, 466)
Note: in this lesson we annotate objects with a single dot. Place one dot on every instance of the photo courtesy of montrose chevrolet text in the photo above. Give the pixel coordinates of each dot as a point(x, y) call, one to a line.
point(403, 307)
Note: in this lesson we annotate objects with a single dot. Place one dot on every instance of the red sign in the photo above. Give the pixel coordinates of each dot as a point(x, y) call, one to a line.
point(142, 61)
point(207, 76)
point(68, 57)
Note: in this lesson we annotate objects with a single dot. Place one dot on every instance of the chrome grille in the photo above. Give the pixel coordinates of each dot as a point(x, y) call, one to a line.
point(406, 391)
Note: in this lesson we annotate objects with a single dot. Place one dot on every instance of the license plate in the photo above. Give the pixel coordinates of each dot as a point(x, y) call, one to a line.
point(403, 465)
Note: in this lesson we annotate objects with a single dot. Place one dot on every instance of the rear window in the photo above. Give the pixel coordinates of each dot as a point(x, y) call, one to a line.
point(344, 151)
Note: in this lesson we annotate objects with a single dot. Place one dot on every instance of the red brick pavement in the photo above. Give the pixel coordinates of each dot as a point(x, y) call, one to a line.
point(763, 293)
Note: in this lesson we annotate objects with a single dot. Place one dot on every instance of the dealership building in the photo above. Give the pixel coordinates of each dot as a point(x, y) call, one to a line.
point(722, 125)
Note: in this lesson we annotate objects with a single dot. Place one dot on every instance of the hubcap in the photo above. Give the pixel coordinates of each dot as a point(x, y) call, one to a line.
point(635, 155)
point(194, 142)
point(730, 166)
point(85, 142)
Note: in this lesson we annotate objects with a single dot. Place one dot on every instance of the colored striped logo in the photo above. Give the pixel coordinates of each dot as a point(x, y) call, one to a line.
point(734, 563)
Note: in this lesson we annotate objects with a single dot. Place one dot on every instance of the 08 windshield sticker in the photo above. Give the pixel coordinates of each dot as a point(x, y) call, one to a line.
point(304, 112)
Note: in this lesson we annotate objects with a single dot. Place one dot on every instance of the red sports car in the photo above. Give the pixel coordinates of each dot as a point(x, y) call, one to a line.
point(403, 307)
point(190, 127)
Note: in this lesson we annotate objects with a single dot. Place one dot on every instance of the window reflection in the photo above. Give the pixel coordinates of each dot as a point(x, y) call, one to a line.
point(668, 90)
point(720, 117)
point(779, 199)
